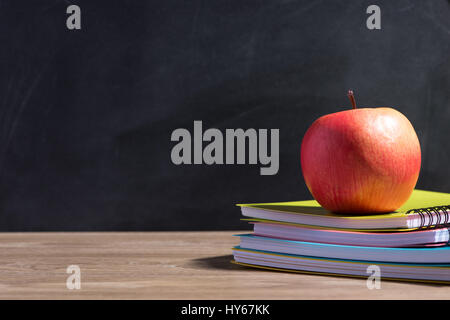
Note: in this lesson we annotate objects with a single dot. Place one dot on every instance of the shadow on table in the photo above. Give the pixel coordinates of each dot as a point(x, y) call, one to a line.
point(217, 262)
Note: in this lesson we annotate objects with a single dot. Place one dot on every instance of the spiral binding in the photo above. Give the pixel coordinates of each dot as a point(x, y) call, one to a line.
point(423, 212)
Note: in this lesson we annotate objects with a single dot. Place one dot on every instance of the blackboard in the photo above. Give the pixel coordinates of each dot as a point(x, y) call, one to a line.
point(86, 115)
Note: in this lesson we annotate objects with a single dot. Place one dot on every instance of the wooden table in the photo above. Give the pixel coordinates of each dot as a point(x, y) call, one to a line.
point(165, 265)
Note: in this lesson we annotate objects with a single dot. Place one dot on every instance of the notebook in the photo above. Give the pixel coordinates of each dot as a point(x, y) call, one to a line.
point(325, 250)
point(423, 209)
point(439, 273)
point(356, 238)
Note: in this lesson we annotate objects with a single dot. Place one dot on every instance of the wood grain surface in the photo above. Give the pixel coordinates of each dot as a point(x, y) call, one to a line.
point(165, 265)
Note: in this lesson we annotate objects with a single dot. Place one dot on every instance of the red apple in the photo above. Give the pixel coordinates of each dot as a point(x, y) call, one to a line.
point(361, 161)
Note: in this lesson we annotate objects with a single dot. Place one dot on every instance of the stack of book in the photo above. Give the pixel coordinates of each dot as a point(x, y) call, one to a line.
point(409, 244)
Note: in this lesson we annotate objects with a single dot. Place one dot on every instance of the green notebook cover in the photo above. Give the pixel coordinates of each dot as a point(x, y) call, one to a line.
point(419, 199)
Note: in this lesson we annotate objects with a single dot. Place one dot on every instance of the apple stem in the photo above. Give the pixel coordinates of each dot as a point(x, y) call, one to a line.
point(352, 98)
